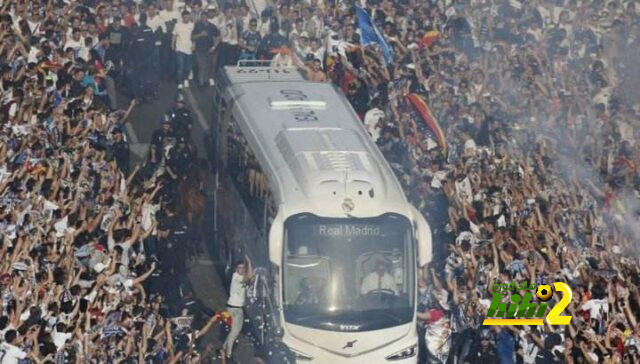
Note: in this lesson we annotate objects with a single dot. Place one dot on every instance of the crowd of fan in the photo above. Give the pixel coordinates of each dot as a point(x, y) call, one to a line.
point(87, 245)
point(539, 182)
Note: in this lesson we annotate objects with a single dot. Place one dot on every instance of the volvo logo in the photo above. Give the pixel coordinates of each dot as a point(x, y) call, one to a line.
point(349, 344)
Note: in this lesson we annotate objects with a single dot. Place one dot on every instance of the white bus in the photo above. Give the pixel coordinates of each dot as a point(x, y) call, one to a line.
point(305, 193)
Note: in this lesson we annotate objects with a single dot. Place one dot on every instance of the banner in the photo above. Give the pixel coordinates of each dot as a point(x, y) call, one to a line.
point(427, 117)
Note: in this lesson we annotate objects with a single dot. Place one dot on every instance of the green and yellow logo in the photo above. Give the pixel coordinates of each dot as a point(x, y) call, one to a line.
point(521, 311)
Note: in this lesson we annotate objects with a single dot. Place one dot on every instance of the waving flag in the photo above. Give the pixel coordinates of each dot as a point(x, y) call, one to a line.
point(423, 110)
point(369, 33)
point(429, 39)
point(281, 50)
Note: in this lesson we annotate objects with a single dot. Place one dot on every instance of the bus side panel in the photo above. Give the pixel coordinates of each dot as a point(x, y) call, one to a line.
point(237, 231)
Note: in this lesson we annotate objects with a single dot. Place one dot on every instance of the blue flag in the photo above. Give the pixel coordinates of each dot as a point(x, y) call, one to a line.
point(369, 33)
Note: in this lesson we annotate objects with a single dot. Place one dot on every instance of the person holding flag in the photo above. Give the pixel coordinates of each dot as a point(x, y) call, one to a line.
point(369, 33)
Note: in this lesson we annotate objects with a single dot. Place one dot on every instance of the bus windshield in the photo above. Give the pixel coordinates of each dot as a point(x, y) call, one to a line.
point(348, 274)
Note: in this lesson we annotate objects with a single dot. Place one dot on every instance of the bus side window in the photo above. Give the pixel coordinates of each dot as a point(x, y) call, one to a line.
point(246, 173)
point(222, 130)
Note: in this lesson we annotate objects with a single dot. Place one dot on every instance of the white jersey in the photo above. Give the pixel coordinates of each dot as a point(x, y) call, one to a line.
point(10, 354)
point(237, 291)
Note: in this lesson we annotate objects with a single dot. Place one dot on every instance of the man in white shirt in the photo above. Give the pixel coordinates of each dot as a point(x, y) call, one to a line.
point(168, 13)
point(183, 46)
point(59, 336)
point(229, 28)
point(75, 42)
point(154, 21)
point(235, 304)
point(9, 352)
point(229, 52)
point(378, 280)
point(264, 24)
point(169, 16)
point(317, 49)
point(298, 28)
point(83, 52)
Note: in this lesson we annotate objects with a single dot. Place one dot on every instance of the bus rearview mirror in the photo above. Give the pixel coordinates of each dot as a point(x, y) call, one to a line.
point(423, 237)
point(276, 236)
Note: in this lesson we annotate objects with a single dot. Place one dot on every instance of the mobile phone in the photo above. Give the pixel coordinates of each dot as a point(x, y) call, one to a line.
point(84, 305)
point(139, 325)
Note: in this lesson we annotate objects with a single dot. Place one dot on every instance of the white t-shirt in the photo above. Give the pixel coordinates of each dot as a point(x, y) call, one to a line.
point(263, 27)
point(237, 291)
point(464, 191)
point(33, 53)
point(35, 27)
point(83, 53)
point(148, 215)
point(168, 15)
point(182, 32)
point(470, 147)
point(229, 31)
point(594, 306)
point(156, 23)
point(371, 119)
point(10, 354)
point(373, 282)
point(74, 44)
point(60, 338)
point(530, 349)
point(282, 60)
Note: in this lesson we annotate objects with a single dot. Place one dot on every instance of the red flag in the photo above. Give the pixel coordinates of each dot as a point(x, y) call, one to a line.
point(281, 50)
point(429, 38)
point(427, 117)
point(622, 161)
point(50, 65)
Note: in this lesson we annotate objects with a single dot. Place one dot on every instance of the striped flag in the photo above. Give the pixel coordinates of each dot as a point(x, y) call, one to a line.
point(430, 121)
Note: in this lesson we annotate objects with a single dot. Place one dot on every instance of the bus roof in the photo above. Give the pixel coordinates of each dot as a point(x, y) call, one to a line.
point(315, 151)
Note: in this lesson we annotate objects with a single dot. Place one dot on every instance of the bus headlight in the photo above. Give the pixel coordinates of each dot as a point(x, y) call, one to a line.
point(403, 354)
point(300, 355)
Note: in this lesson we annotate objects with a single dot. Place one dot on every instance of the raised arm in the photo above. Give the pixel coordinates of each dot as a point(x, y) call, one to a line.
point(249, 275)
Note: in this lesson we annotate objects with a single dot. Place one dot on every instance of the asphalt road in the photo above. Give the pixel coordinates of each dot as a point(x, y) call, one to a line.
point(144, 119)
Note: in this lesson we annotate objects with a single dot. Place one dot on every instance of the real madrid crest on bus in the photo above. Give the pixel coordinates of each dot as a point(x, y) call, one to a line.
point(348, 205)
